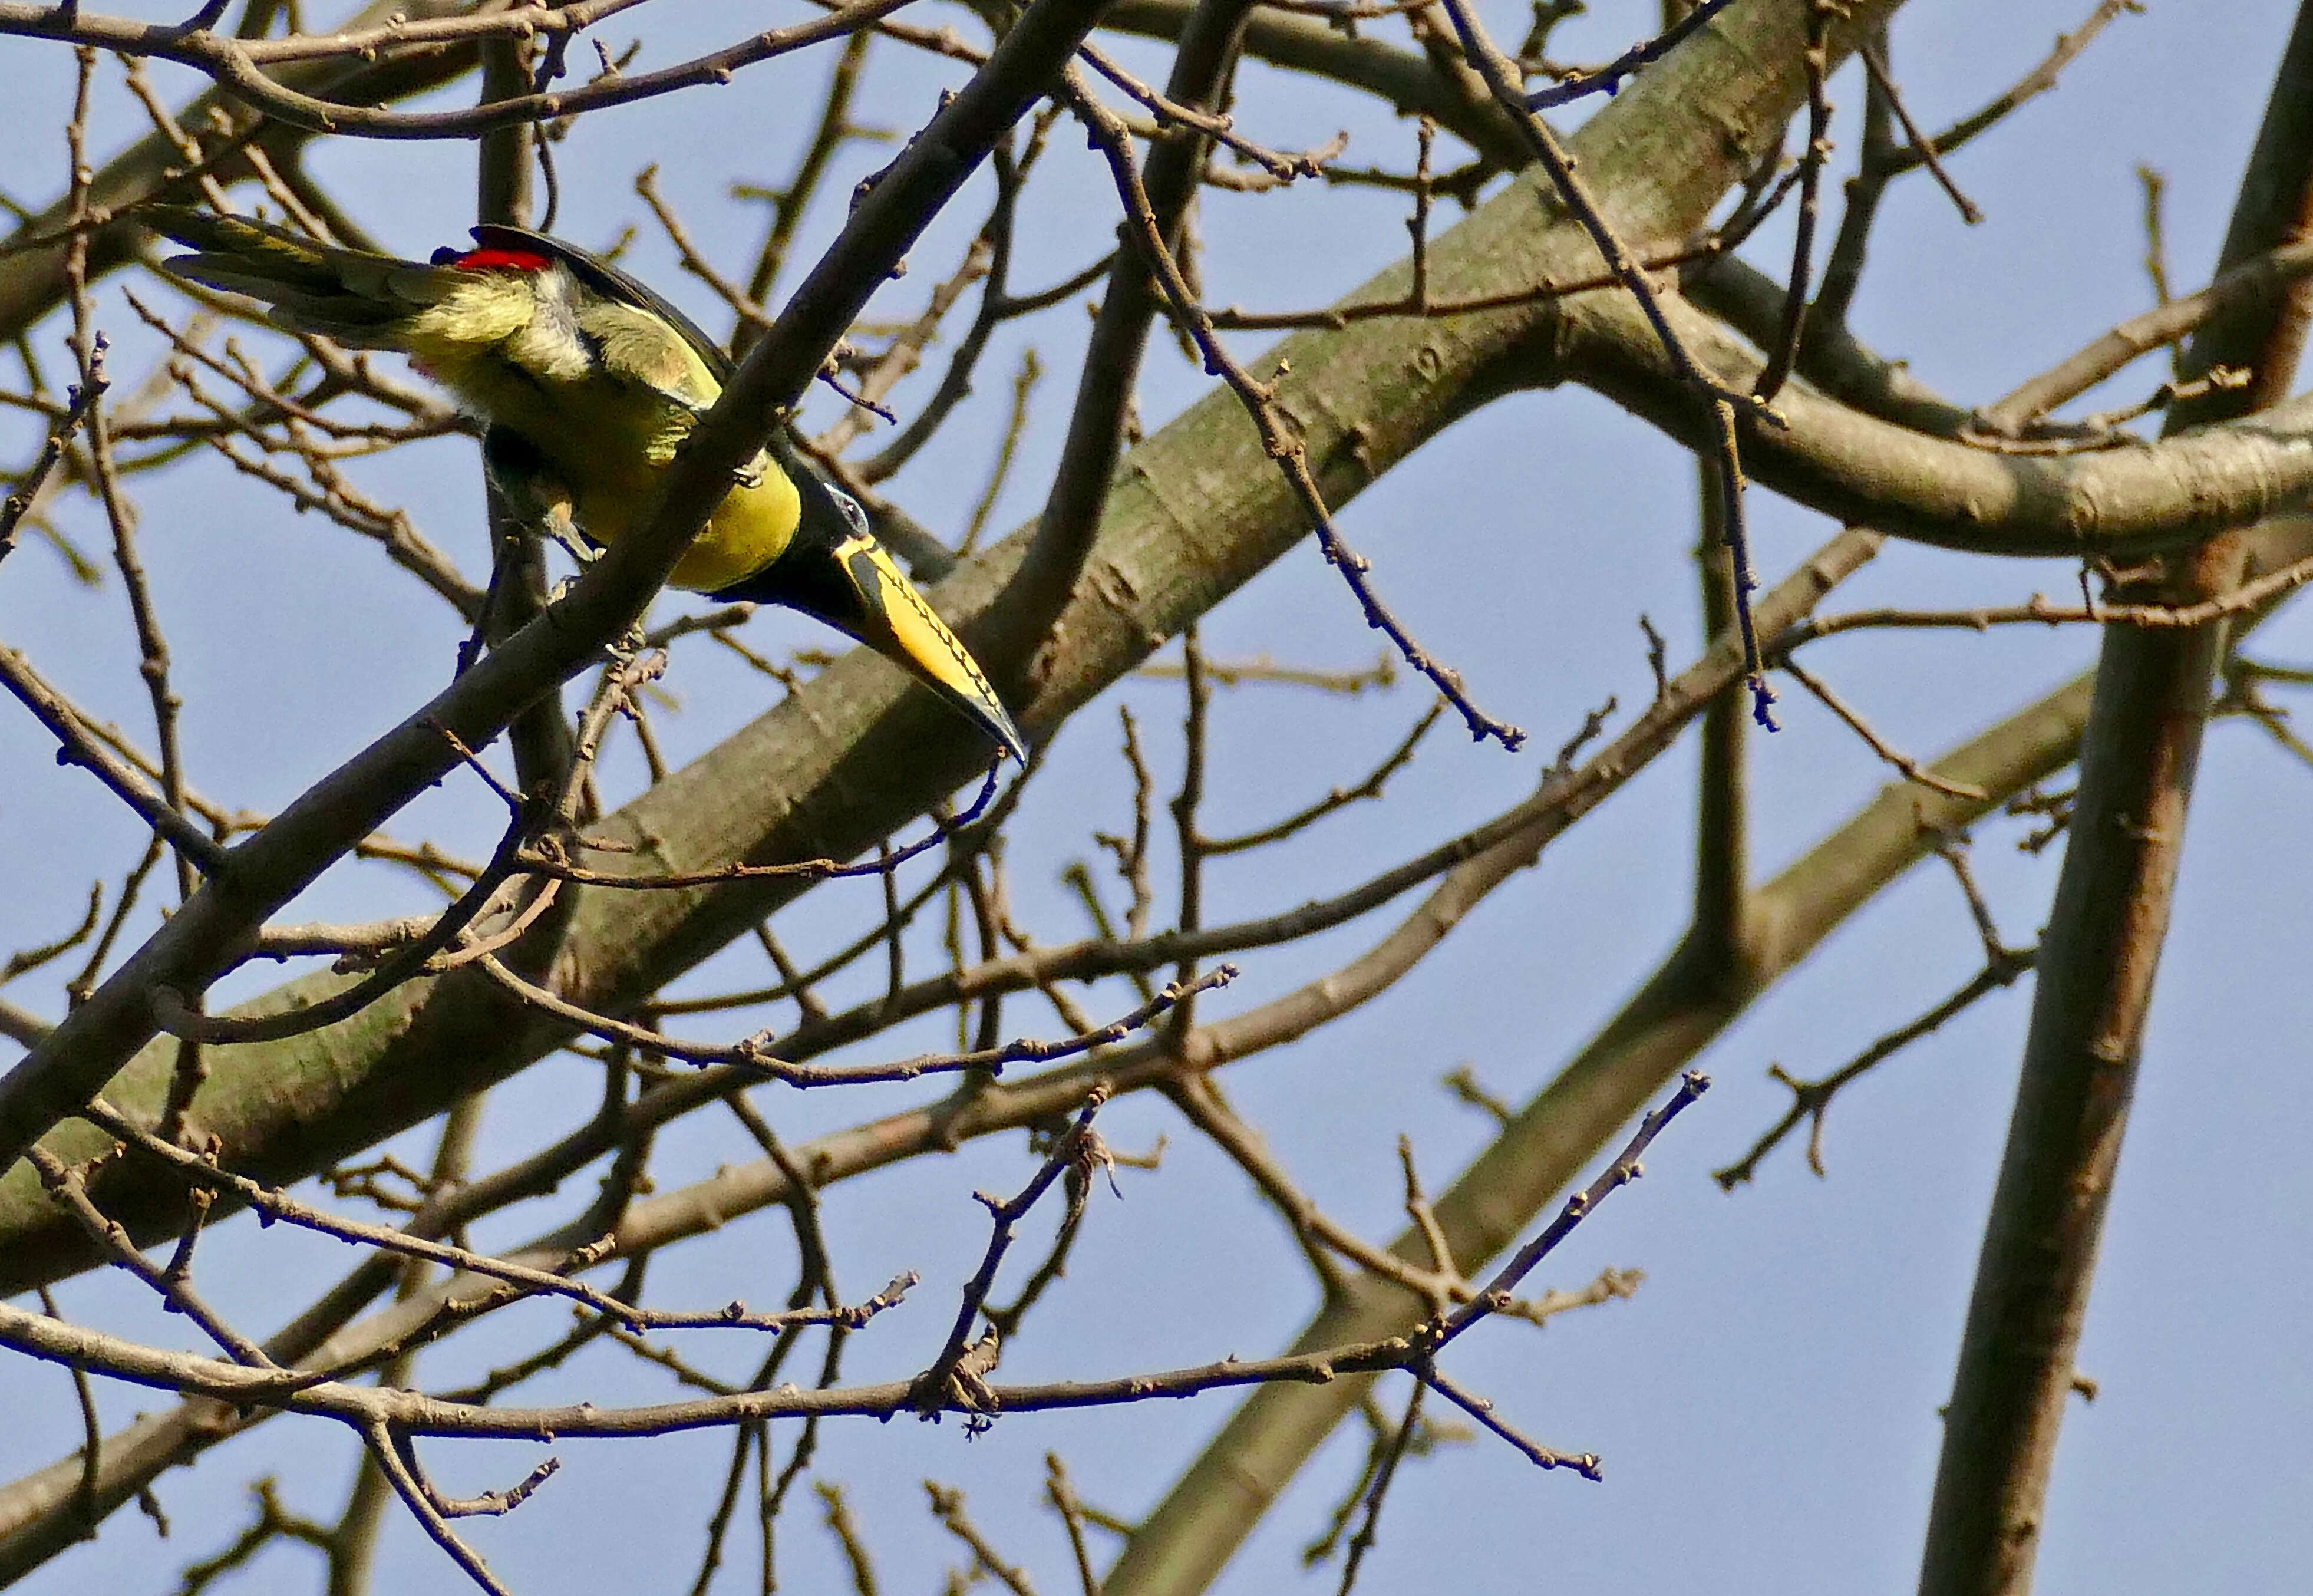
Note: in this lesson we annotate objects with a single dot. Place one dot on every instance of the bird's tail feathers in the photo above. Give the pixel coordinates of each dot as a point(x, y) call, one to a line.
point(351, 296)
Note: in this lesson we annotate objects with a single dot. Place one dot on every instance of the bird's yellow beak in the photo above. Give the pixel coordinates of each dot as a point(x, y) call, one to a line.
point(892, 619)
point(833, 569)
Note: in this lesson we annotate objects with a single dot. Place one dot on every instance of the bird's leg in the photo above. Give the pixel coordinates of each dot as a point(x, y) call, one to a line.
point(533, 493)
point(562, 529)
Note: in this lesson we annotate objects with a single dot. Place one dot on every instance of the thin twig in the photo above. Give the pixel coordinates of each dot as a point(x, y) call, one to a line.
point(1921, 145)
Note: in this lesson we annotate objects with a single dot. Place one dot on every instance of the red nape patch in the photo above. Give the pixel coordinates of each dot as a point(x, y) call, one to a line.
point(501, 260)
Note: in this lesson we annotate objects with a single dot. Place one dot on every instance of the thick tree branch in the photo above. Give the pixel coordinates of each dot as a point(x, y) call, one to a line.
point(2101, 949)
point(1858, 469)
point(1197, 511)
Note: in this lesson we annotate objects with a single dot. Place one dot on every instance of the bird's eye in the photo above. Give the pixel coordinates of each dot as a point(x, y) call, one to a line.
point(851, 511)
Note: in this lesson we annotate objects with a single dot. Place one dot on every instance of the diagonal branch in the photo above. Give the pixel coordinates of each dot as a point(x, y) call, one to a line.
point(2097, 962)
point(281, 860)
point(1196, 513)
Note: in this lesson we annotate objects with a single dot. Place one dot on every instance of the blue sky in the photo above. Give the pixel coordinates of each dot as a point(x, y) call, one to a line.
point(1766, 1403)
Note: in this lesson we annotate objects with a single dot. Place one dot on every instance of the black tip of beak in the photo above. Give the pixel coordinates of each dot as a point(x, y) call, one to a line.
point(1006, 735)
